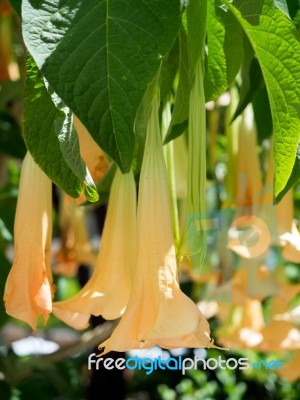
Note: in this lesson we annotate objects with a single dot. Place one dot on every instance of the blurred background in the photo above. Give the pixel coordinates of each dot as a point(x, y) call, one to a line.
point(251, 300)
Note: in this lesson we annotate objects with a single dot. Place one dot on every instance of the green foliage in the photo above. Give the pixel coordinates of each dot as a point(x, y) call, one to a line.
point(276, 45)
point(99, 58)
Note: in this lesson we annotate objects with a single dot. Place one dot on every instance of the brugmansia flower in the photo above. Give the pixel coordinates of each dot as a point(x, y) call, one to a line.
point(158, 313)
point(29, 291)
point(107, 292)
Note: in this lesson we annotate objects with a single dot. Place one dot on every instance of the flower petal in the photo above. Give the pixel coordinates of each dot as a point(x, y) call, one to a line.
point(28, 291)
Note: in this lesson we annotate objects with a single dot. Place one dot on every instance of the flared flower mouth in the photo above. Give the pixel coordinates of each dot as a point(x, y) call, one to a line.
point(107, 291)
point(29, 290)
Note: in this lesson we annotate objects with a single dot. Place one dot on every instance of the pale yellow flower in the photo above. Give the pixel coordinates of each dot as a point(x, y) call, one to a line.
point(107, 292)
point(29, 291)
point(158, 312)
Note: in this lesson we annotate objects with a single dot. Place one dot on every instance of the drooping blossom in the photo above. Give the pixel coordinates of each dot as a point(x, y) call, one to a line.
point(29, 290)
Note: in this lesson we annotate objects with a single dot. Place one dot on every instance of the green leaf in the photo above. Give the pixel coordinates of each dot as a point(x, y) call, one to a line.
point(51, 138)
point(275, 42)
point(225, 50)
point(99, 57)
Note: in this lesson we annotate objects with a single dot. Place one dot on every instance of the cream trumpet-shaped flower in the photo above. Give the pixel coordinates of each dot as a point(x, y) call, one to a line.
point(107, 292)
point(28, 291)
point(158, 312)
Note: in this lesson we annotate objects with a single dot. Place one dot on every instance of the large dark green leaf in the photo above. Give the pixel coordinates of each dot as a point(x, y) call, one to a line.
point(51, 138)
point(99, 57)
point(276, 45)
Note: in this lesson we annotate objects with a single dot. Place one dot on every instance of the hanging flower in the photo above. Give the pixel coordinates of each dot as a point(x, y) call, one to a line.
point(107, 292)
point(158, 313)
point(29, 290)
